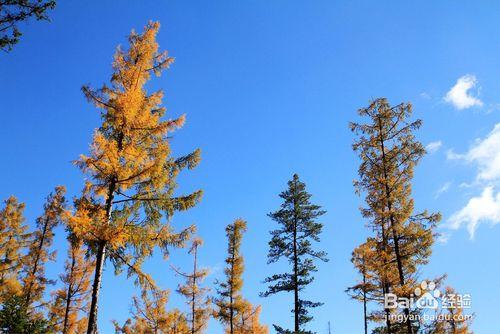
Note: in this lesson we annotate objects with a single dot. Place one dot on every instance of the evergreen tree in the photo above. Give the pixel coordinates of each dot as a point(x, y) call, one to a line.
point(72, 299)
point(15, 318)
point(13, 236)
point(389, 152)
point(132, 175)
point(195, 294)
point(12, 12)
point(39, 253)
point(293, 241)
point(230, 302)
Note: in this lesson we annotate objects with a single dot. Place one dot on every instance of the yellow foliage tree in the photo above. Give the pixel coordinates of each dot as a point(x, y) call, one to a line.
point(230, 302)
point(131, 171)
point(368, 262)
point(39, 253)
point(13, 236)
point(237, 314)
point(151, 317)
point(72, 299)
point(453, 319)
point(195, 294)
point(247, 321)
point(389, 153)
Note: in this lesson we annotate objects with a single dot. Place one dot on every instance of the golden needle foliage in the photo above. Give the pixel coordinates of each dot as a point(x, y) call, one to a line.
point(453, 320)
point(151, 317)
point(195, 294)
point(132, 174)
point(130, 160)
point(232, 310)
point(13, 238)
point(230, 301)
point(71, 300)
point(247, 321)
point(389, 153)
point(39, 253)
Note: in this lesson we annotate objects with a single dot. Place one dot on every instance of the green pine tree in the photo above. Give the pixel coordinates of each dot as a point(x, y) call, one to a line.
point(15, 318)
point(293, 241)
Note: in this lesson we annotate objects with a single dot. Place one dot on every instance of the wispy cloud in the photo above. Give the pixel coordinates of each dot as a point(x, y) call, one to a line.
point(434, 146)
point(460, 96)
point(444, 188)
point(485, 207)
point(485, 153)
point(443, 238)
point(425, 96)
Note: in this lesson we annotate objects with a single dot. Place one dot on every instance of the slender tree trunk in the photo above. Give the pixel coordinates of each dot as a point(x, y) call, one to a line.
point(96, 286)
point(364, 304)
point(295, 288)
point(393, 228)
point(295, 266)
point(69, 295)
point(100, 259)
point(193, 297)
point(295, 270)
point(35, 265)
point(385, 284)
point(231, 301)
point(66, 312)
point(6, 259)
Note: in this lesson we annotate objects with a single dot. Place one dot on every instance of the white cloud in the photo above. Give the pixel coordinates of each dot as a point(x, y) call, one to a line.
point(444, 188)
point(443, 238)
point(459, 95)
point(485, 154)
point(433, 146)
point(425, 96)
point(481, 209)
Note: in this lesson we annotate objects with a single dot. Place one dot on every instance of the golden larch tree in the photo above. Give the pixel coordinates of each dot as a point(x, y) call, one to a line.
point(70, 303)
point(247, 321)
point(13, 236)
point(366, 260)
point(195, 293)
point(389, 153)
point(39, 249)
point(150, 316)
point(230, 302)
point(131, 172)
point(237, 314)
point(453, 319)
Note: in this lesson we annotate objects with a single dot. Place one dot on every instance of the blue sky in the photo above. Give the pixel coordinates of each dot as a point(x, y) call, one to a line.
point(269, 88)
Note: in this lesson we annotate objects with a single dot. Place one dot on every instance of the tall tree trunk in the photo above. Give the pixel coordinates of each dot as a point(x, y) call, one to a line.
point(231, 300)
point(295, 288)
point(295, 281)
point(100, 259)
point(393, 228)
point(69, 295)
point(365, 317)
point(96, 286)
point(295, 270)
point(35, 265)
point(193, 297)
point(385, 284)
